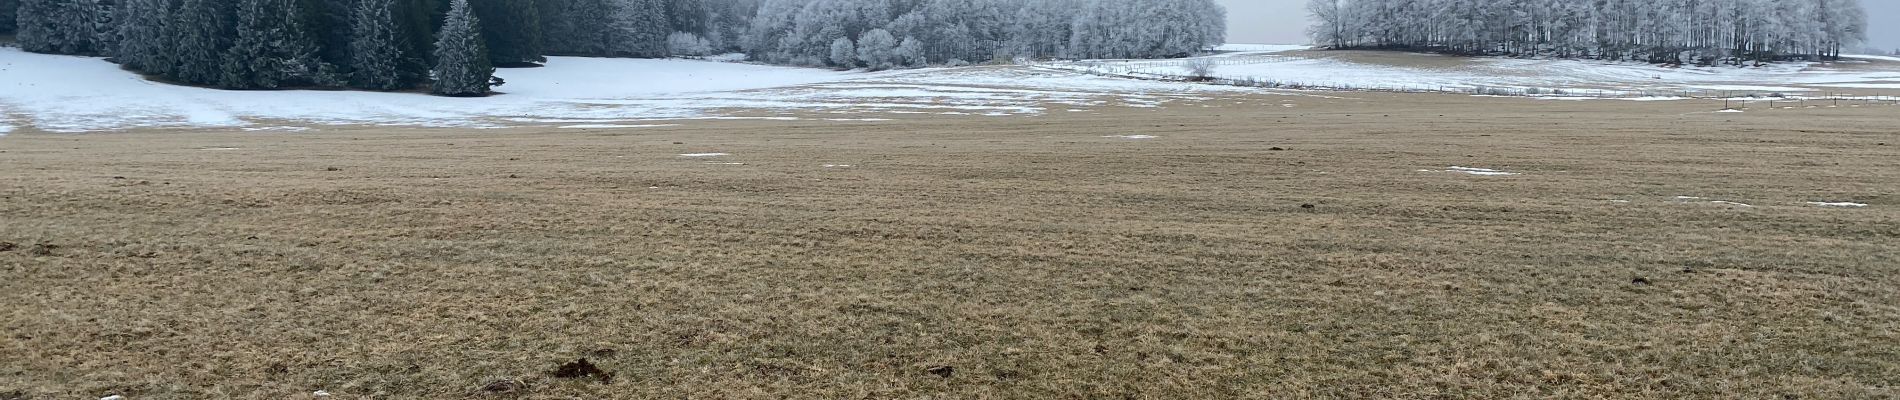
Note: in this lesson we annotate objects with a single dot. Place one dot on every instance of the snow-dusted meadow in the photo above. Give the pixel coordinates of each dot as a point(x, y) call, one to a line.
point(1287, 66)
point(77, 94)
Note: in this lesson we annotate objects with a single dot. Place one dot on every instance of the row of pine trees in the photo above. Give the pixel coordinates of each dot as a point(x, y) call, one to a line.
point(272, 44)
point(449, 47)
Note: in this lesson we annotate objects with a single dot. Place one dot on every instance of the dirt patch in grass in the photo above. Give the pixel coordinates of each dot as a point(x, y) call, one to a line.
point(1024, 257)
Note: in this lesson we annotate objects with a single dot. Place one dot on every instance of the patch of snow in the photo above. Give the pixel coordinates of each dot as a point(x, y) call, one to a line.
point(1551, 78)
point(1267, 48)
point(1472, 171)
point(320, 393)
point(704, 155)
point(1132, 136)
point(75, 94)
point(1620, 201)
point(613, 126)
point(1731, 110)
point(728, 57)
point(1751, 88)
point(1875, 85)
point(1836, 204)
point(837, 165)
point(113, 397)
point(1480, 171)
point(279, 129)
point(1871, 57)
point(1693, 199)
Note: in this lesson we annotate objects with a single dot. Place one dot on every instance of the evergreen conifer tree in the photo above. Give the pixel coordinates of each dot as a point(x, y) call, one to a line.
point(8, 11)
point(512, 31)
point(638, 29)
point(461, 59)
point(140, 30)
point(191, 38)
point(60, 26)
point(374, 51)
point(272, 49)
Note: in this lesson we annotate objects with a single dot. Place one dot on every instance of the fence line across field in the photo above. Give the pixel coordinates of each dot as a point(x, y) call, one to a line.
point(1171, 70)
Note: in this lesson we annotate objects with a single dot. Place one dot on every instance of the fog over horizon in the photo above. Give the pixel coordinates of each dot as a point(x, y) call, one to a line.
point(1285, 21)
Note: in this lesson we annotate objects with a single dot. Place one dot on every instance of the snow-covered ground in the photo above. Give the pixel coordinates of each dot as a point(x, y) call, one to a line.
point(69, 94)
point(1286, 66)
point(72, 94)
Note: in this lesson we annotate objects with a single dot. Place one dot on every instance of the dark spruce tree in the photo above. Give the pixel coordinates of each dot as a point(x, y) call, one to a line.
point(60, 26)
point(141, 29)
point(415, 22)
point(375, 54)
point(577, 27)
point(193, 40)
point(8, 11)
point(329, 23)
point(638, 29)
point(271, 50)
point(512, 30)
point(461, 59)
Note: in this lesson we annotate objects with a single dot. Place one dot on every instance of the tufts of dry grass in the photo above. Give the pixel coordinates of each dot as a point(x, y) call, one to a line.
point(972, 257)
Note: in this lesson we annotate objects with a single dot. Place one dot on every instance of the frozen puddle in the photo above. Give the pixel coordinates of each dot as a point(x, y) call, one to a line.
point(1836, 204)
point(698, 155)
point(610, 126)
point(1473, 171)
point(1132, 137)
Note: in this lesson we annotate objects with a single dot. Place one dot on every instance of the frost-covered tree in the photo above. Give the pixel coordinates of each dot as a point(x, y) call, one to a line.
point(877, 50)
point(375, 53)
point(944, 31)
point(910, 53)
point(272, 49)
point(1665, 31)
point(844, 53)
point(461, 59)
point(1147, 28)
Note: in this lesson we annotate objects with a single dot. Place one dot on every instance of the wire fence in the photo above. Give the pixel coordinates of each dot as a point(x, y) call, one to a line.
point(1179, 70)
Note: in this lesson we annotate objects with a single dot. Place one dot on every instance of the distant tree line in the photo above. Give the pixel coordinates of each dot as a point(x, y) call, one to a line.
point(1662, 31)
point(399, 44)
point(899, 33)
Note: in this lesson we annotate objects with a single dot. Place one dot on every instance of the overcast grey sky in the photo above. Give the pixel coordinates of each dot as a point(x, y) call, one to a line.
point(1284, 21)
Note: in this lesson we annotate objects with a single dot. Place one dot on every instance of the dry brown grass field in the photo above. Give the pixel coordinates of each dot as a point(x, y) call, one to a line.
point(1250, 250)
